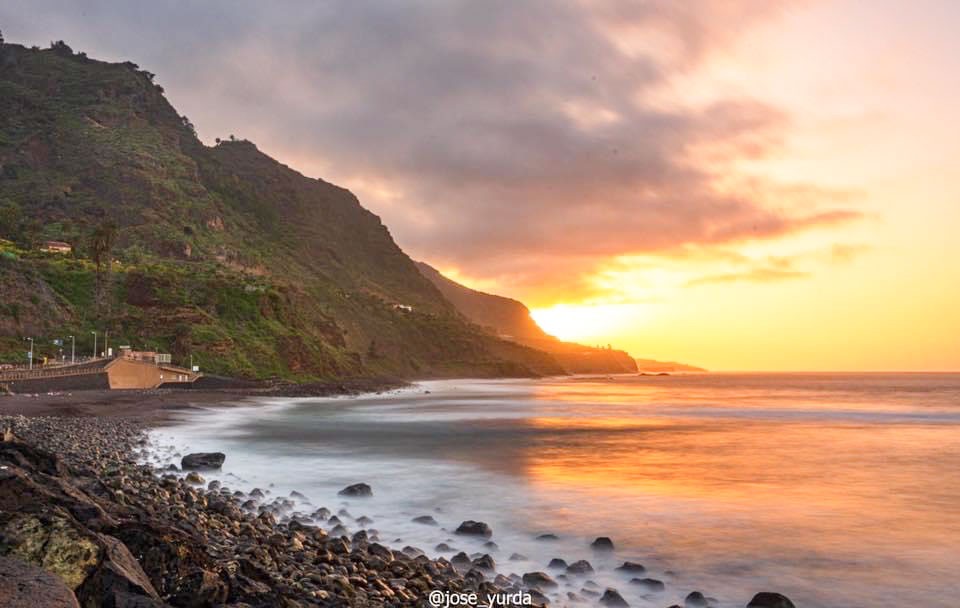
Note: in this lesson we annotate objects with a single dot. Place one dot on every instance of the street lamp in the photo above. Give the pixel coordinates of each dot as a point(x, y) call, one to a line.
point(94, 344)
point(31, 351)
point(73, 350)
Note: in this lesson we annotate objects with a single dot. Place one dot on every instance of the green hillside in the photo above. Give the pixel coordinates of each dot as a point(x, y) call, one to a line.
point(220, 253)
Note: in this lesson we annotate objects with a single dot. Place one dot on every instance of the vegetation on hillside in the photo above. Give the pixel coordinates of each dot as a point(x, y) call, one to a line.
point(217, 253)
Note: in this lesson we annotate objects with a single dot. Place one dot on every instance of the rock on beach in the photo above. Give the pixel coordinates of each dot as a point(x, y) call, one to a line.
point(203, 460)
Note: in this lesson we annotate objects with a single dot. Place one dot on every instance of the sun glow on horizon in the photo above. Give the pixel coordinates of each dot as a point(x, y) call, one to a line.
point(590, 323)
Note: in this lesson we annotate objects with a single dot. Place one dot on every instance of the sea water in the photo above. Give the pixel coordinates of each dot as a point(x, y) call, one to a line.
point(838, 490)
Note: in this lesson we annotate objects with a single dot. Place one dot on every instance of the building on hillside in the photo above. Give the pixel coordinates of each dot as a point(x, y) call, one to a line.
point(56, 247)
point(129, 372)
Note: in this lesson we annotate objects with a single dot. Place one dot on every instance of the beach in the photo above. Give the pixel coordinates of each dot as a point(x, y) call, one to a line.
point(96, 496)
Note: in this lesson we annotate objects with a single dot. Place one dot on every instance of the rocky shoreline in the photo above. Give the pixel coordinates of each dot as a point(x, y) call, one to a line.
point(77, 502)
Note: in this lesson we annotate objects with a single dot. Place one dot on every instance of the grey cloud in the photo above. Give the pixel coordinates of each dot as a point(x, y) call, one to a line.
point(469, 111)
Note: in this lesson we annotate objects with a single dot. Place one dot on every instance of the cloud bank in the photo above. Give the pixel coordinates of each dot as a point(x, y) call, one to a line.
point(523, 141)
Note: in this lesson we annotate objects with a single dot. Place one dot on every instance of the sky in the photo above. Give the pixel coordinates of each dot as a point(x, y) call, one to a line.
point(737, 184)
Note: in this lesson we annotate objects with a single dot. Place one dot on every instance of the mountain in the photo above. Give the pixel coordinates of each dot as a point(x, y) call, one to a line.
point(510, 320)
point(504, 316)
point(219, 253)
point(652, 366)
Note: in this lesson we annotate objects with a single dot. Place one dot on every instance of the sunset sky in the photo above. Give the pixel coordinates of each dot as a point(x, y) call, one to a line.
point(744, 185)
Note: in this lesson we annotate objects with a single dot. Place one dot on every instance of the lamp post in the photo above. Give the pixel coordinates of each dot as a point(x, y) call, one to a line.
point(31, 351)
point(94, 344)
point(73, 350)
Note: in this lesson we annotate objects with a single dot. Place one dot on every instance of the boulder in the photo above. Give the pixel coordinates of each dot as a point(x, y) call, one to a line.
point(547, 537)
point(557, 564)
point(769, 599)
point(426, 520)
point(580, 567)
point(203, 460)
point(118, 579)
point(611, 597)
point(538, 580)
point(485, 562)
point(23, 585)
point(695, 599)
point(631, 568)
point(474, 528)
point(648, 584)
point(602, 543)
point(52, 542)
point(357, 490)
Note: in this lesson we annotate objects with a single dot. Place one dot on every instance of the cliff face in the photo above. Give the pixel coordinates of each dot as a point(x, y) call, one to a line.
point(217, 252)
point(511, 320)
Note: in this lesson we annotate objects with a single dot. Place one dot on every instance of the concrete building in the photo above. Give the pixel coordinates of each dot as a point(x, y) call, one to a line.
point(56, 247)
point(129, 370)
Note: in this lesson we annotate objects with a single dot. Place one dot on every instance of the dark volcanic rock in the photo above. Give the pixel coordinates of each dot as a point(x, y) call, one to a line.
point(203, 460)
point(539, 580)
point(695, 599)
point(357, 490)
point(611, 597)
point(26, 586)
point(631, 568)
point(602, 543)
point(474, 528)
point(557, 563)
point(580, 567)
point(648, 584)
point(768, 599)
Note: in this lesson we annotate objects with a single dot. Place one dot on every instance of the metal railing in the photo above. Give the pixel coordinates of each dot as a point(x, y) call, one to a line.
point(90, 366)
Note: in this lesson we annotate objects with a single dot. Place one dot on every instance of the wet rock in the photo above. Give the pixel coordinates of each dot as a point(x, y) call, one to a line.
point(195, 478)
point(557, 564)
point(53, 542)
point(517, 557)
point(474, 528)
point(695, 599)
point(611, 597)
point(768, 599)
point(357, 490)
point(539, 580)
point(443, 548)
point(547, 537)
point(203, 460)
point(491, 546)
point(23, 585)
point(426, 520)
point(631, 568)
point(118, 577)
point(602, 543)
point(648, 584)
point(580, 568)
point(363, 520)
point(461, 560)
point(485, 562)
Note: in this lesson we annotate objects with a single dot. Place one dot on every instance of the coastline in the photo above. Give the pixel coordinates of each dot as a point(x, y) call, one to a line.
point(156, 406)
point(75, 472)
point(75, 500)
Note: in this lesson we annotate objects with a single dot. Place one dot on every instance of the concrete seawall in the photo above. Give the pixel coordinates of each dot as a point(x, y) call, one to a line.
point(60, 383)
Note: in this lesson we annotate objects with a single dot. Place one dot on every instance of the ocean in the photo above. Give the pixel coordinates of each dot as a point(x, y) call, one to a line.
point(837, 490)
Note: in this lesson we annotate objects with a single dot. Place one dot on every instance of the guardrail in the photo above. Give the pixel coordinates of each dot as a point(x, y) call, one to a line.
point(54, 371)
